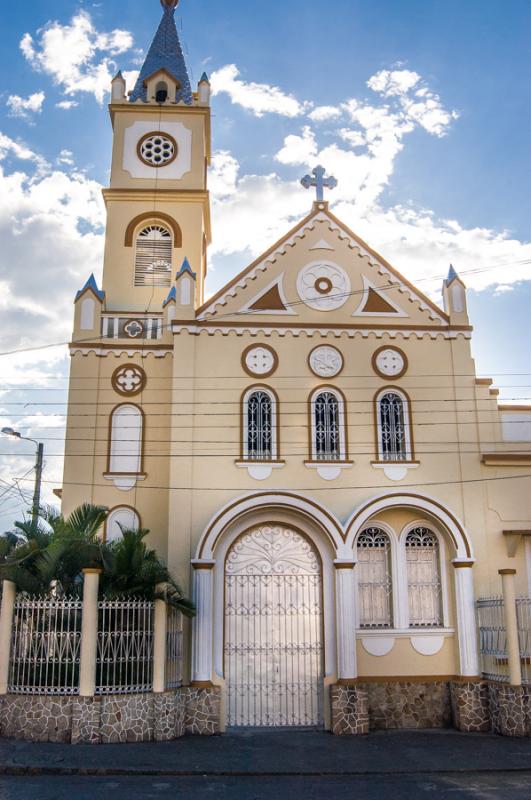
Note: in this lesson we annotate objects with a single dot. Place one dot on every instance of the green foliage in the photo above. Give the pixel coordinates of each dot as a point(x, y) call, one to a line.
point(49, 554)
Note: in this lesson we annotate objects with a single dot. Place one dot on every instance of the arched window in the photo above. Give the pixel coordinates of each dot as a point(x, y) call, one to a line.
point(259, 425)
point(374, 579)
point(328, 426)
point(153, 256)
point(423, 578)
point(394, 435)
point(126, 440)
point(121, 517)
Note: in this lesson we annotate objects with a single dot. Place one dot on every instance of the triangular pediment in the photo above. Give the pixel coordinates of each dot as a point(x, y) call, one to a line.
point(322, 274)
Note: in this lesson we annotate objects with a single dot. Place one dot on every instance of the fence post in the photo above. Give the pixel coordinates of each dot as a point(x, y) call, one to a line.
point(159, 646)
point(89, 633)
point(6, 625)
point(511, 626)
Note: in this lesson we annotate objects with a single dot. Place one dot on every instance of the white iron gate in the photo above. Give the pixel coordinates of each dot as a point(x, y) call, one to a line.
point(273, 630)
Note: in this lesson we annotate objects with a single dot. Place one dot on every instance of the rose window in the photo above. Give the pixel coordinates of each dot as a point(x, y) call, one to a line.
point(323, 286)
point(157, 149)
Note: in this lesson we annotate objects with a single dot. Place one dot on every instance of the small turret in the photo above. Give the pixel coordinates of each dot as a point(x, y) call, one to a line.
point(203, 90)
point(88, 307)
point(185, 283)
point(118, 89)
point(454, 297)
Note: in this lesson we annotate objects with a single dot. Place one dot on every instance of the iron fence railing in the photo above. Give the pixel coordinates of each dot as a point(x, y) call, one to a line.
point(523, 616)
point(124, 661)
point(174, 649)
point(45, 646)
point(492, 639)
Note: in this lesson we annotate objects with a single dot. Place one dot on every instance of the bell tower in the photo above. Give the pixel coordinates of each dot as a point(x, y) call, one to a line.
point(158, 211)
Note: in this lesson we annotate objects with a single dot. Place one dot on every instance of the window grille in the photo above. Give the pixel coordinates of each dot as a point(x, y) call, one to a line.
point(327, 432)
point(393, 425)
point(259, 426)
point(423, 579)
point(153, 257)
point(374, 579)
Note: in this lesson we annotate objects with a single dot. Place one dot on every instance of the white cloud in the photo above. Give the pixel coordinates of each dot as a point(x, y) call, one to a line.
point(23, 107)
point(298, 149)
point(423, 107)
point(258, 98)
point(65, 157)
point(322, 113)
point(223, 174)
point(77, 56)
point(66, 105)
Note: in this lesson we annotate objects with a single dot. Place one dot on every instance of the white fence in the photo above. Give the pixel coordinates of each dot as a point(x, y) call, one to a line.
point(46, 648)
point(493, 638)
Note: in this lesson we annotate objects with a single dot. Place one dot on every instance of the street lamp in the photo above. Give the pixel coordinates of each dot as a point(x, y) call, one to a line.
point(38, 468)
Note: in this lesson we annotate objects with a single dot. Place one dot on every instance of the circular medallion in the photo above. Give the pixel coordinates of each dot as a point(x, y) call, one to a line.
point(259, 360)
point(133, 328)
point(389, 362)
point(129, 380)
point(325, 361)
point(157, 149)
point(323, 286)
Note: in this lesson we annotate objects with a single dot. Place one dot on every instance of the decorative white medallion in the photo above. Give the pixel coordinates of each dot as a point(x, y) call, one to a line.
point(134, 328)
point(144, 145)
point(259, 360)
point(323, 286)
point(378, 645)
point(389, 362)
point(326, 361)
point(427, 645)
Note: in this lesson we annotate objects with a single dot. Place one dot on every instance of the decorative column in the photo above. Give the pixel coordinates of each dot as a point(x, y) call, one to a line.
point(346, 621)
point(6, 626)
point(511, 626)
point(89, 633)
point(159, 647)
point(466, 618)
point(203, 623)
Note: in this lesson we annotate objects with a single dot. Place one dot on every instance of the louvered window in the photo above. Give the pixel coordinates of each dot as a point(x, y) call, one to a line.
point(374, 579)
point(153, 257)
point(259, 422)
point(327, 425)
point(393, 424)
point(423, 578)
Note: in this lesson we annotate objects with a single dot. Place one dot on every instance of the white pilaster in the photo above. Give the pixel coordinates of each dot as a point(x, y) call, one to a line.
point(159, 646)
point(511, 626)
point(89, 633)
point(202, 626)
point(466, 618)
point(9, 592)
point(346, 621)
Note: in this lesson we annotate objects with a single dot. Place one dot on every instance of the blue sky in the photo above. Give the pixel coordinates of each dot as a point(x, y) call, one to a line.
point(421, 110)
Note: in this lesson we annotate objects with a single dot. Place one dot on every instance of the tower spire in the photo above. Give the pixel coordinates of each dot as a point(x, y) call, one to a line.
point(165, 53)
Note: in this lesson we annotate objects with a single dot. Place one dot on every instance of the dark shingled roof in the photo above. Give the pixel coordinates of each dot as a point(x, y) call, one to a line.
point(165, 53)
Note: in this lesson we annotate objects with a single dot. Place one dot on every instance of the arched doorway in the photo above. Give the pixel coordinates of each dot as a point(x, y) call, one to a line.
point(273, 642)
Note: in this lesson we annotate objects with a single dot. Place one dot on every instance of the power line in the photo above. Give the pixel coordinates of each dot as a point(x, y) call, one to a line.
point(169, 326)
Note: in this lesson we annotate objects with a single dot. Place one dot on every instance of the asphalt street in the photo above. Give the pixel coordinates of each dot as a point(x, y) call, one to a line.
point(252, 765)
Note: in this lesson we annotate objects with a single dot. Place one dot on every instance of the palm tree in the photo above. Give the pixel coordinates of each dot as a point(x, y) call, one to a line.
point(50, 553)
point(136, 570)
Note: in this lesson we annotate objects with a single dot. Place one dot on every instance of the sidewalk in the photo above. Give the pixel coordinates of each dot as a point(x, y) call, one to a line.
point(285, 753)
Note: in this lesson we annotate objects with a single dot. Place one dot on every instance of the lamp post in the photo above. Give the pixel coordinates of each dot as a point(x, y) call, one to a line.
point(38, 468)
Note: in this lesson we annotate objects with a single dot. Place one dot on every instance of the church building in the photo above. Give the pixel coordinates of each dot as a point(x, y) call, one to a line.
point(310, 448)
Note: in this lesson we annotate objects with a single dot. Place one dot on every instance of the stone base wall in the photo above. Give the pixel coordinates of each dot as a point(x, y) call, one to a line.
point(409, 704)
point(112, 719)
point(471, 706)
point(350, 710)
point(509, 710)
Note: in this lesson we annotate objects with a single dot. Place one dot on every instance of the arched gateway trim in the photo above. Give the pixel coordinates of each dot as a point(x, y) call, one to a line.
point(328, 523)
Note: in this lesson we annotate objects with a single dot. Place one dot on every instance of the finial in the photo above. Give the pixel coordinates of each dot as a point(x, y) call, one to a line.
point(319, 182)
point(170, 4)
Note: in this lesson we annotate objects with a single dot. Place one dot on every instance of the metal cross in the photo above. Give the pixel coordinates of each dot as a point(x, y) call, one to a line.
point(319, 182)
